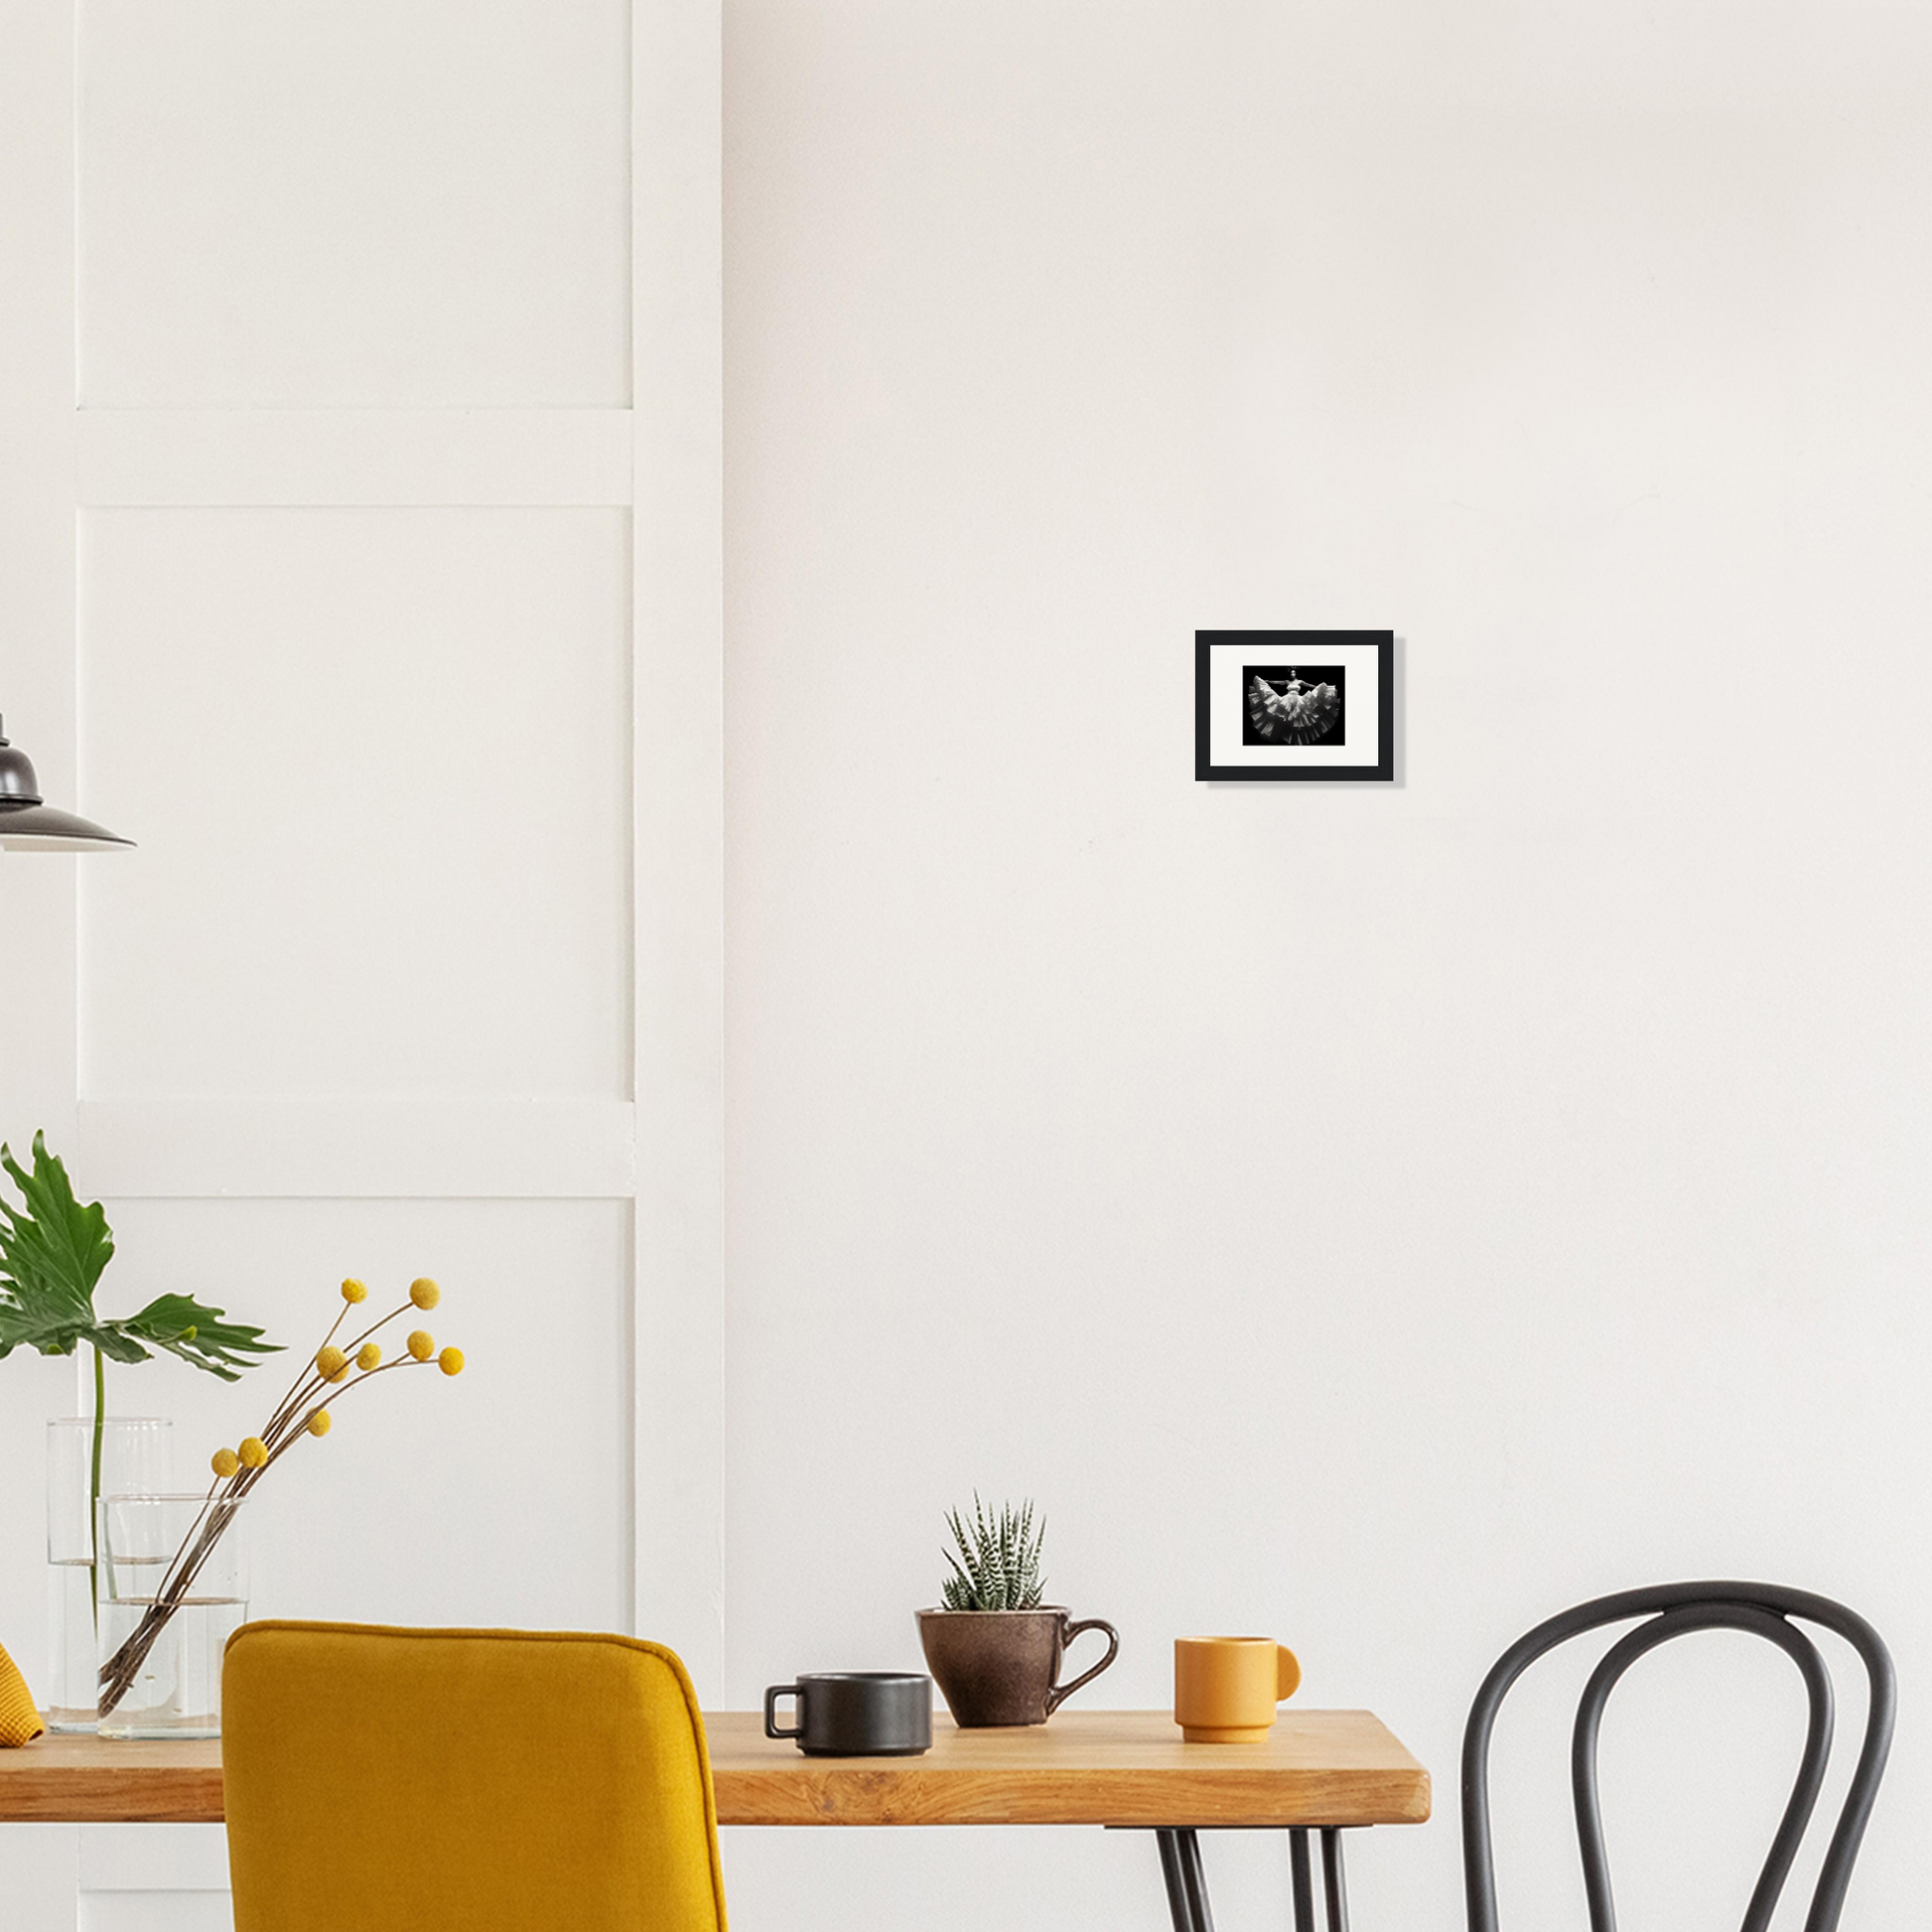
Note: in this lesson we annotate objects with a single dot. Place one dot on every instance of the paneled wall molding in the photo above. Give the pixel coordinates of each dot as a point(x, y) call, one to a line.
point(333, 457)
point(678, 754)
point(343, 1150)
point(364, 463)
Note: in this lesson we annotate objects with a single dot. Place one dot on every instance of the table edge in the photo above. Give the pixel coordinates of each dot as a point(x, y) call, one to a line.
point(147, 1786)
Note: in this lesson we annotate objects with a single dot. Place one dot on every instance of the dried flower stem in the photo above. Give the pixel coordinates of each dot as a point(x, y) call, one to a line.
point(290, 1420)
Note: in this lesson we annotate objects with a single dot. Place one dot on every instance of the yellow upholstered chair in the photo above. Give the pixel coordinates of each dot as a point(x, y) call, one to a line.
point(382, 1780)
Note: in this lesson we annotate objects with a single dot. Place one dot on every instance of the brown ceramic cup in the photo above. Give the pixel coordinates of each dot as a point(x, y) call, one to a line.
point(1002, 1667)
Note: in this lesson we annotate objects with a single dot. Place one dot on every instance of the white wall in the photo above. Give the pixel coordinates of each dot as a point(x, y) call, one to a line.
point(1379, 1216)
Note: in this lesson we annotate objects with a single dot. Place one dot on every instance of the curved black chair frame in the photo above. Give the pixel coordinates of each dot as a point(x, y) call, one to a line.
point(1761, 1609)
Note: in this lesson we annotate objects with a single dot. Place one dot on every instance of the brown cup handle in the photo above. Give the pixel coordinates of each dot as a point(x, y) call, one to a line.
point(1061, 1692)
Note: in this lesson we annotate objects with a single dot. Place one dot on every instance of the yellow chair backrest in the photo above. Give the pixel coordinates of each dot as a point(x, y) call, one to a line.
point(429, 1780)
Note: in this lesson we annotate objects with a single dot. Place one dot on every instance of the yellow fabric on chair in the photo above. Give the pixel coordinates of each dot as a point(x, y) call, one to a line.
point(20, 1722)
point(431, 1781)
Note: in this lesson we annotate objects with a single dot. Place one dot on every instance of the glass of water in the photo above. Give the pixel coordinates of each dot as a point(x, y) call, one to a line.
point(173, 1588)
point(134, 1455)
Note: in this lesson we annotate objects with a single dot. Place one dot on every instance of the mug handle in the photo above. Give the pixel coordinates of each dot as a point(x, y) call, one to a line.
point(772, 1697)
point(1288, 1673)
point(1061, 1692)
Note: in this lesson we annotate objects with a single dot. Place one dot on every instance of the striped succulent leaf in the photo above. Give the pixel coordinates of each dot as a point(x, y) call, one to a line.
point(996, 1560)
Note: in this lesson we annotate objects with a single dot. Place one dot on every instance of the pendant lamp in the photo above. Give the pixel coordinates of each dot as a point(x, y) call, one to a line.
point(28, 825)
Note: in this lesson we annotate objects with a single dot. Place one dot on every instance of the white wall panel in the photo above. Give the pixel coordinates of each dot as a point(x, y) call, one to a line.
point(377, 763)
point(42, 1863)
point(138, 1857)
point(351, 201)
point(155, 1911)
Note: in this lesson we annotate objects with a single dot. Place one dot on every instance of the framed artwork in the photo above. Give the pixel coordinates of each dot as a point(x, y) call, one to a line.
point(1295, 704)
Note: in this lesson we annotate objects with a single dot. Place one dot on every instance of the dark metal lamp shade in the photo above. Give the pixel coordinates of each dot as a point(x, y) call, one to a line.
point(28, 825)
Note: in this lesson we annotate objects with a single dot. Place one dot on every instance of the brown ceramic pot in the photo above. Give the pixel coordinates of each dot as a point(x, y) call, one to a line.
point(1000, 1667)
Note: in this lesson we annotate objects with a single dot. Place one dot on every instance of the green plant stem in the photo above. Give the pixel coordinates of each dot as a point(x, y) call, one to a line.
point(94, 1486)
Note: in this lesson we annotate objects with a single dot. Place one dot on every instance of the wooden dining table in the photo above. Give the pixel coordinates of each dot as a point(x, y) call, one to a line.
point(1317, 1774)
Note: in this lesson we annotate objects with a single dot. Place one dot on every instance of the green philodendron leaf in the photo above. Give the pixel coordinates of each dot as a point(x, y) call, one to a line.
point(51, 1253)
point(198, 1335)
point(109, 1337)
point(52, 1249)
point(24, 1329)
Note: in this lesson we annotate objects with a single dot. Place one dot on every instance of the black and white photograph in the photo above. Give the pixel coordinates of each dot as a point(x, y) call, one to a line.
point(1313, 705)
point(1288, 704)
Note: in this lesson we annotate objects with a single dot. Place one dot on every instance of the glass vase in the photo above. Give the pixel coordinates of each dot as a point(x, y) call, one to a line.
point(173, 1588)
point(135, 1454)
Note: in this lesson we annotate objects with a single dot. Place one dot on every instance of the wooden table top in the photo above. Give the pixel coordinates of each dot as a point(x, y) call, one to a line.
point(1085, 1767)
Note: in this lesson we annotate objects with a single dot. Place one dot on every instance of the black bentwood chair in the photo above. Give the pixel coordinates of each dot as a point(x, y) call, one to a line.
point(1761, 1609)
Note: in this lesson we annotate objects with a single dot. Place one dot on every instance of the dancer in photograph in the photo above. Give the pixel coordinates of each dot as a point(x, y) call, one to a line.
point(1292, 711)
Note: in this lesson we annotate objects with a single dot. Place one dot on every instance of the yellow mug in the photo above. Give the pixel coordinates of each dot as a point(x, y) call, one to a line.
point(1225, 1688)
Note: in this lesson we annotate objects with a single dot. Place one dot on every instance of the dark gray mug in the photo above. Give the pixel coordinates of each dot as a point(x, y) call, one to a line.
point(856, 1713)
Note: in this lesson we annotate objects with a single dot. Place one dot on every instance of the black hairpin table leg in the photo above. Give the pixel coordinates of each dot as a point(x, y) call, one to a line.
point(1331, 1880)
point(1181, 1867)
point(1303, 1879)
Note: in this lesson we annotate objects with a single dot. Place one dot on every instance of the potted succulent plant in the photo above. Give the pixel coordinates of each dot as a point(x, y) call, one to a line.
point(994, 1646)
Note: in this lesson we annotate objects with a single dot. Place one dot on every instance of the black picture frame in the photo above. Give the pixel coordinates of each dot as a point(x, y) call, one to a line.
point(1293, 648)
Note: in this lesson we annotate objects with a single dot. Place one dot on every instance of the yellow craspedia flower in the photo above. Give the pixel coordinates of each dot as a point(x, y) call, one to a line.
point(330, 1361)
point(451, 1361)
point(369, 1356)
point(355, 1290)
point(319, 1424)
point(224, 1463)
point(424, 1291)
point(254, 1453)
point(422, 1344)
